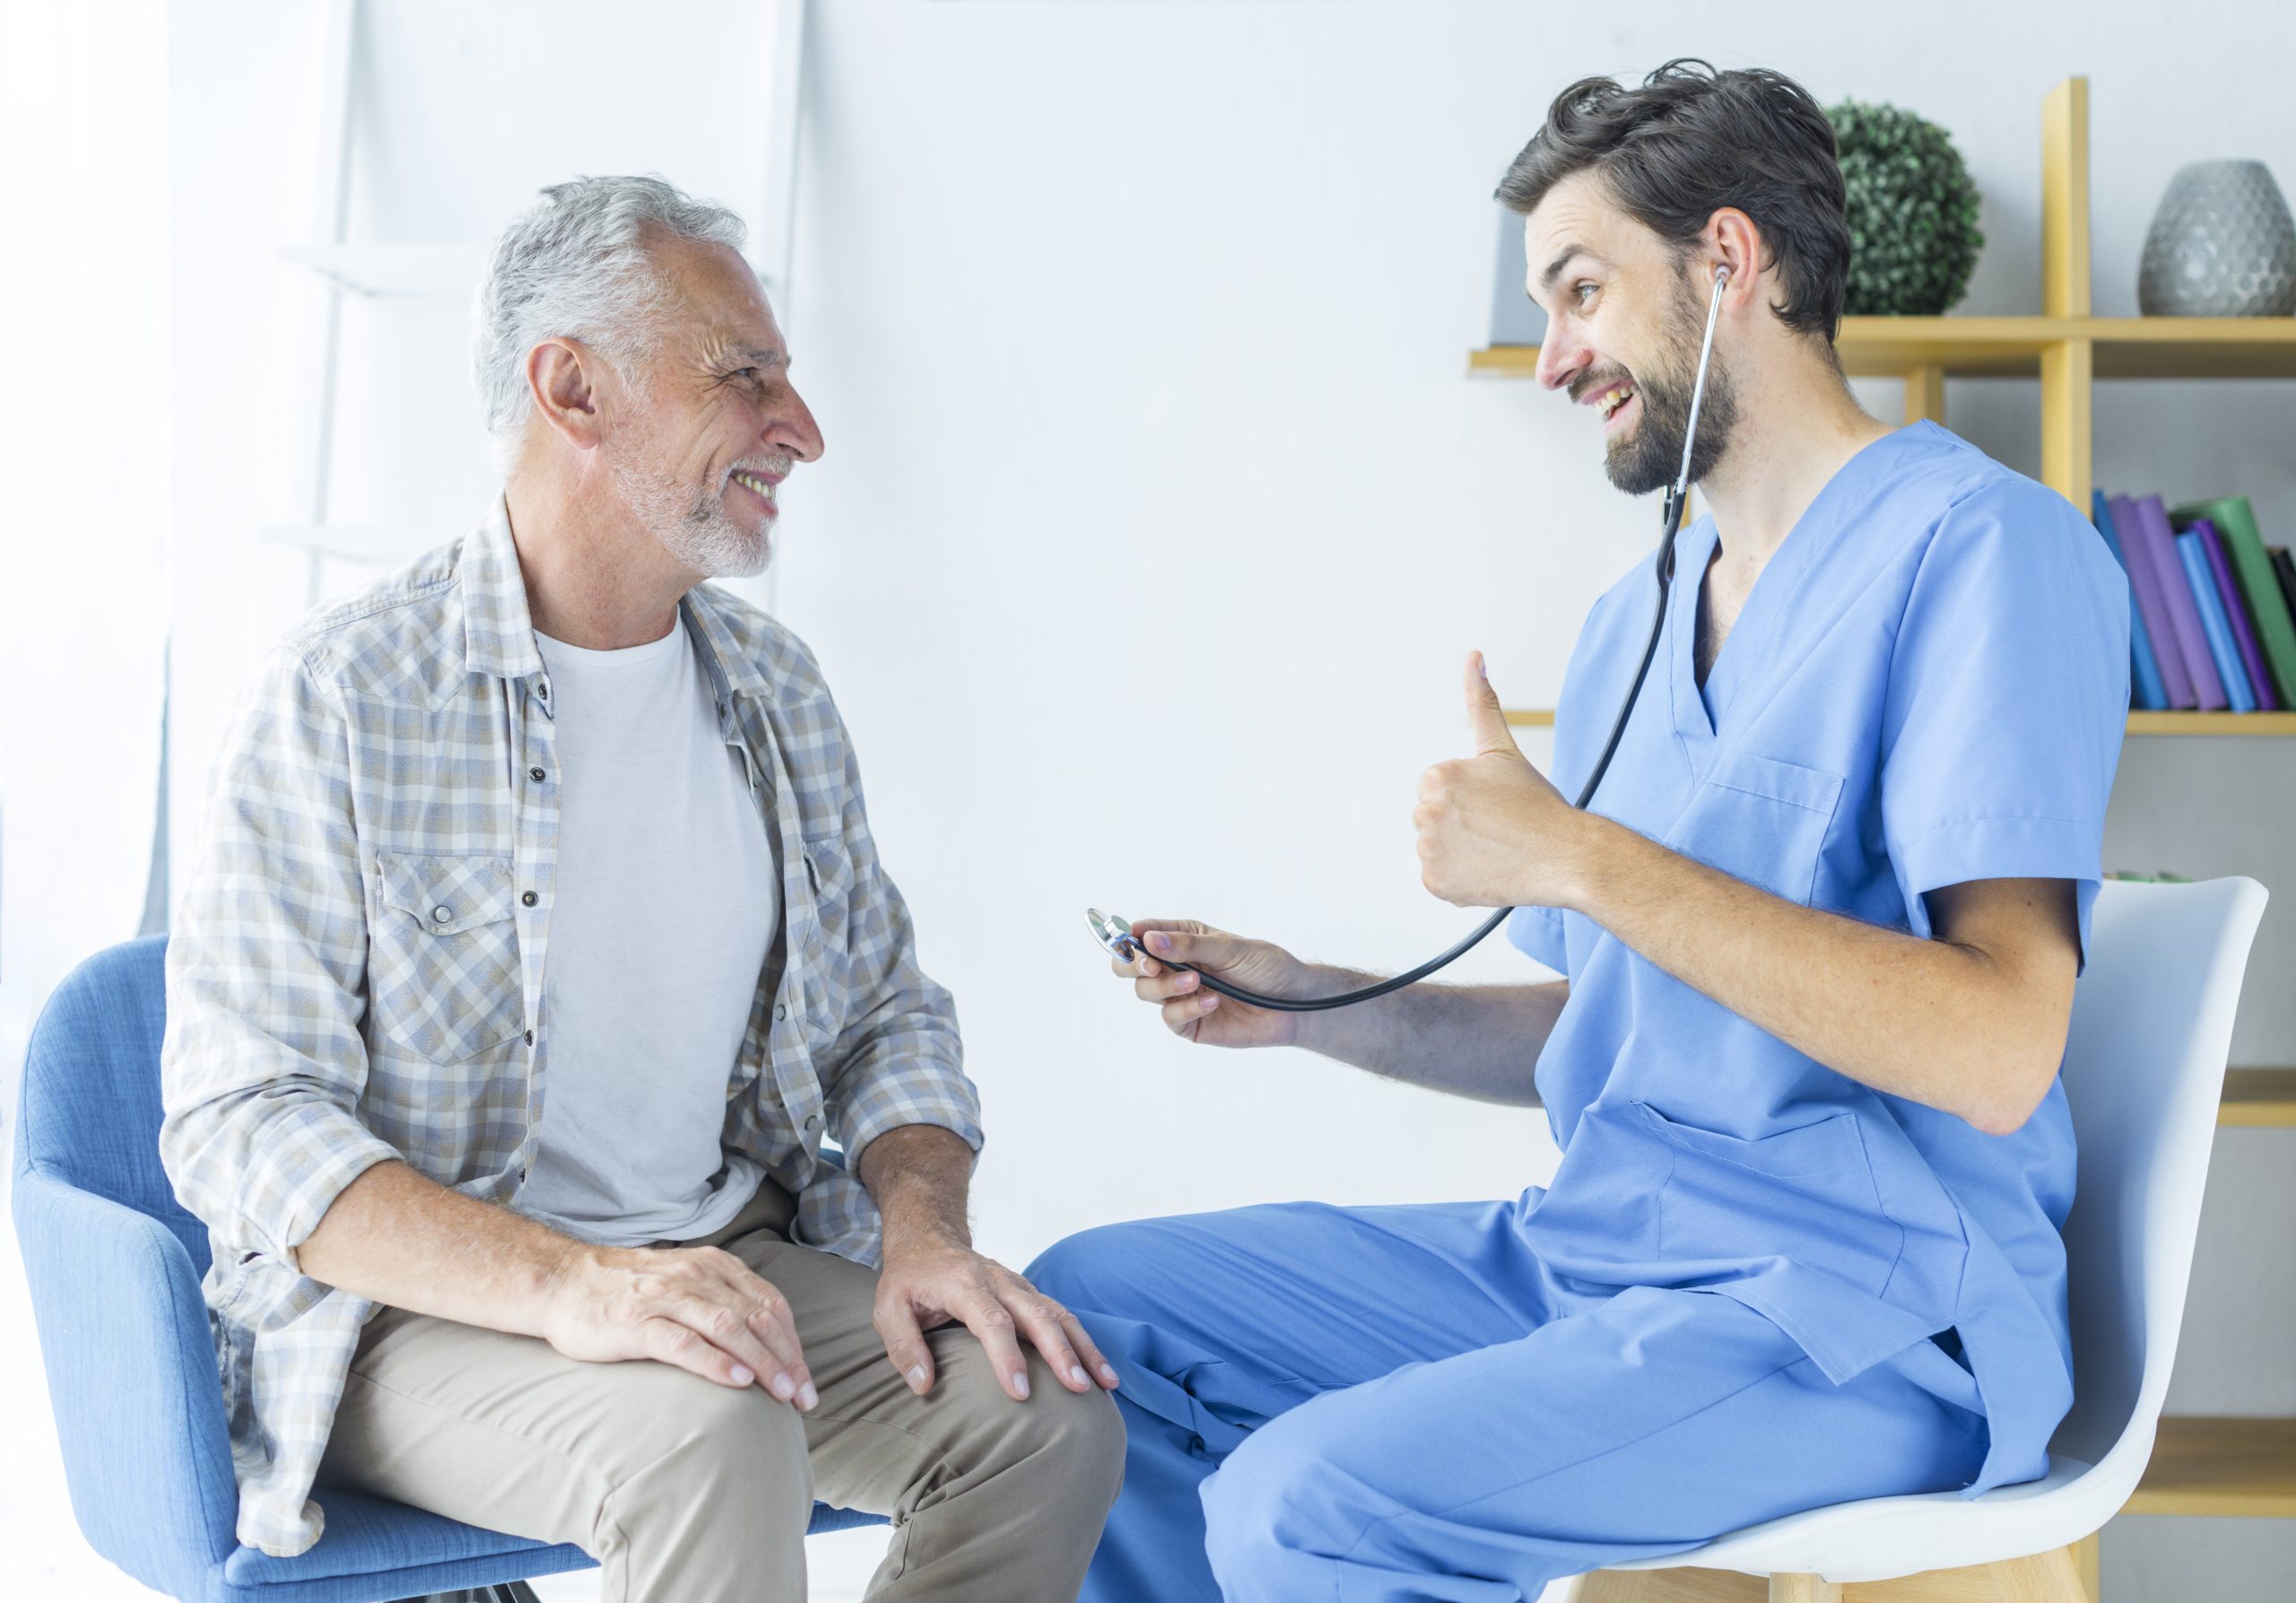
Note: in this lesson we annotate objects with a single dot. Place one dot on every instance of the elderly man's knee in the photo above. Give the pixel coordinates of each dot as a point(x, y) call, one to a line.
point(705, 1439)
point(1074, 1440)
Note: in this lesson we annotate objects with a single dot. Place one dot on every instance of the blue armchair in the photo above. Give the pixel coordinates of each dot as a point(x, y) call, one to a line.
point(114, 1263)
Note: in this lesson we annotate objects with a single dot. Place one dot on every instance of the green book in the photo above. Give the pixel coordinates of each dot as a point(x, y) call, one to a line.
point(2236, 525)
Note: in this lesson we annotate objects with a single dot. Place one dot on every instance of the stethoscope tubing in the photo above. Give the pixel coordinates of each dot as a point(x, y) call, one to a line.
point(1675, 498)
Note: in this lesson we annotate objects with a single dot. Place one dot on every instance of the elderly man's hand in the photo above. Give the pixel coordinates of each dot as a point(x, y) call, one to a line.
point(933, 1281)
point(700, 1308)
point(1492, 832)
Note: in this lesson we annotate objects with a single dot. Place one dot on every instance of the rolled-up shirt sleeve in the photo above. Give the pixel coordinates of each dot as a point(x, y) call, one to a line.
point(898, 1058)
point(263, 1062)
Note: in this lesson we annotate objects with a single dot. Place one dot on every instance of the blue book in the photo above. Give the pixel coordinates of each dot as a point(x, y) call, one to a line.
point(2213, 623)
point(2152, 694)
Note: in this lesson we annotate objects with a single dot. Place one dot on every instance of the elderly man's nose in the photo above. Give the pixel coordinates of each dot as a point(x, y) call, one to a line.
point(794, 429)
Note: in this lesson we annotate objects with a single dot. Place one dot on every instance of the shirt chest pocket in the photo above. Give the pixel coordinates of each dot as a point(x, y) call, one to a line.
point(442, 967)
point(1761, 819)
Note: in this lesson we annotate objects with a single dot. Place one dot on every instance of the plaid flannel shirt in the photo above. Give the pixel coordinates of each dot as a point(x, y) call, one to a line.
point(356, 967)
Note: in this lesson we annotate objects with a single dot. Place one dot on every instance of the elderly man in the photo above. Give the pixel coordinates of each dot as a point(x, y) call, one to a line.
point(537, 945)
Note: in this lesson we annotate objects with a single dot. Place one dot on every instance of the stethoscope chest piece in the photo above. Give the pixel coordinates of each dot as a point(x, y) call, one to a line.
point(1114, 935)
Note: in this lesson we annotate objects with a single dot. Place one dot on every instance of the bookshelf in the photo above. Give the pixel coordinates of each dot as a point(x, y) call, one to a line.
point(2201, 1467)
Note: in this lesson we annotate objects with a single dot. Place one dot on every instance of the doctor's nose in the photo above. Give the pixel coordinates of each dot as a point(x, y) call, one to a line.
point(1561, 358)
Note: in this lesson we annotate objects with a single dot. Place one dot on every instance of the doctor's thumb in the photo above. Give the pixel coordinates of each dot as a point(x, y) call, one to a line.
point(1486, 719)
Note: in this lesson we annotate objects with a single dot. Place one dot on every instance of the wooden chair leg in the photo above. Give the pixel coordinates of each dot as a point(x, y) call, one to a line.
point(1803, 1589)
point(2089, 1558)
point(2044, 1577)
point(2053, 1577)
point(1667, 1586)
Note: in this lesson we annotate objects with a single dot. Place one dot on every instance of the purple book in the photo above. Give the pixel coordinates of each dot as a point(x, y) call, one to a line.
point(2152, 605)
point(2236, 612)
point(2184, 612)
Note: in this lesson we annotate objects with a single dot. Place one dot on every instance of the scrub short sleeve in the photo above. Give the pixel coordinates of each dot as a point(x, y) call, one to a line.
point(1537, 932)
point(2007, 700)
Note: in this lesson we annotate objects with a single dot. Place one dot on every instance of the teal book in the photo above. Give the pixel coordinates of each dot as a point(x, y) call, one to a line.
point(2214, 625)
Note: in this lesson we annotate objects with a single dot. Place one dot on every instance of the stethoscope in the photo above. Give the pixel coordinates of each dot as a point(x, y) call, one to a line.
point(1115, 935)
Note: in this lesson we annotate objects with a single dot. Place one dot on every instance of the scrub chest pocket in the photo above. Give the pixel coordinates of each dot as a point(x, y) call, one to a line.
point(443, 955)
point(1761, 820)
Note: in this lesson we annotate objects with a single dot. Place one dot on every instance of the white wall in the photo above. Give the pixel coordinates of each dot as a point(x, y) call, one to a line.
point(84, 453)
point(1158, 510)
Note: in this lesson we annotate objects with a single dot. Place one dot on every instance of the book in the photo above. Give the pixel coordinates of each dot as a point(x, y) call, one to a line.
point(2236, 613)
point(2184, 606)
point(2222, 655)
point(2145, 670)
point(2145, 577)
point(2268, 607)
point(2285, 569)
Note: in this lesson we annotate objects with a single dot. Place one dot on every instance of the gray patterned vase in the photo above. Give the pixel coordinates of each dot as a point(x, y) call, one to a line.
point(2220, 246)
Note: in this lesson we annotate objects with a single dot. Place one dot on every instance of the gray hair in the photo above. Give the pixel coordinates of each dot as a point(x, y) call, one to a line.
point(576, 264)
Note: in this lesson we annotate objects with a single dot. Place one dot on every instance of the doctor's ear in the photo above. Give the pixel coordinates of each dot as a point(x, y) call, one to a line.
point(1731, 241)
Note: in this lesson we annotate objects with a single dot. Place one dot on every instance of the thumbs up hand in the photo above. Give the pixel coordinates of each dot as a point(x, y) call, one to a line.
point(1492, 832)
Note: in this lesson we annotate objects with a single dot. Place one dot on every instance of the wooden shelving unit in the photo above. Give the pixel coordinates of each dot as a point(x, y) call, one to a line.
point(2212, 1466)
point(2139, 723)
point(2259, 1099)
point(2208, 1465)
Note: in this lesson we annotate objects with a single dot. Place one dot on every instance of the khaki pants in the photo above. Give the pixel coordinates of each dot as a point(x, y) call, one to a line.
point(688, 1492)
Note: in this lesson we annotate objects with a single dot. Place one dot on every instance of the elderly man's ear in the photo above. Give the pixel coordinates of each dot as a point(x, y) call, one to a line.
point(560, 373)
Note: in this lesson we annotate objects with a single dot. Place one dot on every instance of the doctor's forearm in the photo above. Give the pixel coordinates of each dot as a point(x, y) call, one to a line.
point(1932, 1020)
point(1474, 1040)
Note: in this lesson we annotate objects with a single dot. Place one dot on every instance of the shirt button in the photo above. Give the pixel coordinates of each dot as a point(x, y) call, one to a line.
point(813, 1121)
point(442, 915)
point(529, 899)
point(536, 774)
point(530, 1038)
point(781, 1010)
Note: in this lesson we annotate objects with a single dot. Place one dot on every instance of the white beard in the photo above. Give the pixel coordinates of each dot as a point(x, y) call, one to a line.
point(698, 534)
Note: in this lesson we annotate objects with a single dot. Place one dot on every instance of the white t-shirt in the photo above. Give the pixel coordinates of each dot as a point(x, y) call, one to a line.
point(665, 912)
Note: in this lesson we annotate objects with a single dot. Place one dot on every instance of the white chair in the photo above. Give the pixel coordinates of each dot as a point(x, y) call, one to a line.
point(2144, 1072)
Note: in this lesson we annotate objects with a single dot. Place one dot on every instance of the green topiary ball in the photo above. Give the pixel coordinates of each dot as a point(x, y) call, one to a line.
point(1913, 232)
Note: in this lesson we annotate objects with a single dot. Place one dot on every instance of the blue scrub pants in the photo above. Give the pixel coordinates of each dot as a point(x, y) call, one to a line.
point(1392, 1403)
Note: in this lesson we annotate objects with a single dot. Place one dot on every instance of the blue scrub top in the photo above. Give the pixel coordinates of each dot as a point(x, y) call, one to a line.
point(1928, 685)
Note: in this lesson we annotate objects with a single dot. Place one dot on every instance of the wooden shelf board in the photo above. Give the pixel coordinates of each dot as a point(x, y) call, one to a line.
point(2195, 347)
point(2139, 723)
point(2012, 347)
point(2259, 1099)
point(2211, 723)
point(2220, 1466)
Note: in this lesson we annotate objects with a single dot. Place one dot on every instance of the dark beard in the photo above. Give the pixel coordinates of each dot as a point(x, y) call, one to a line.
point(1651, 459)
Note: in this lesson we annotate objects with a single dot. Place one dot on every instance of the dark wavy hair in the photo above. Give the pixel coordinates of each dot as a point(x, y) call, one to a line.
point(1692, 141)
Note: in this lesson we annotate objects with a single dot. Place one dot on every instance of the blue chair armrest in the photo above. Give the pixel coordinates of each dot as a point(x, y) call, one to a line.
point(131, 1368)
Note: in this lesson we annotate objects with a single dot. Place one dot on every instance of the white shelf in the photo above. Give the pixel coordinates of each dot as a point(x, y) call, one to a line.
point(369, 269)
point(360, 542)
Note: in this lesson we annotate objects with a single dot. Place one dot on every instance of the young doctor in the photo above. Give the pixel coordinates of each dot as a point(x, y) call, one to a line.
point(1821, 929)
